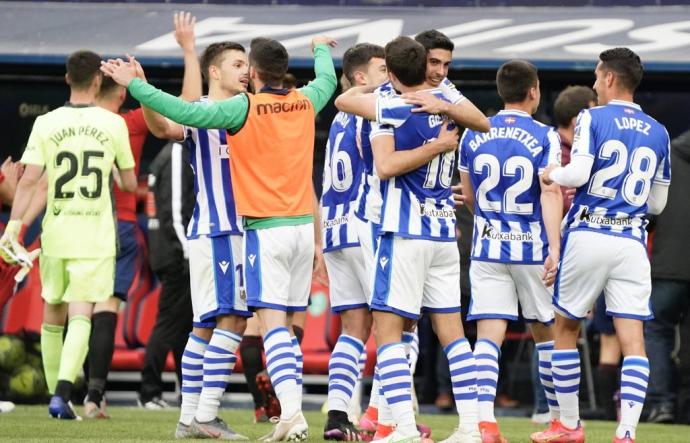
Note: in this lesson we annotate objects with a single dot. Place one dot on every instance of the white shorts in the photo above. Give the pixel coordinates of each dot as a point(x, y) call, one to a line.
point(278, 264)
point(215, 273)
point(498, 287)
point(348, 280)
point(592, 262)
point(414, 276)
point(368, 235)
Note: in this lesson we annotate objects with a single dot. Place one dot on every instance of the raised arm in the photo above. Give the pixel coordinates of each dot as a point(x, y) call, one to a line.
point(391, 163)
point(192, 85)
point(320, 90)
point(227, 114)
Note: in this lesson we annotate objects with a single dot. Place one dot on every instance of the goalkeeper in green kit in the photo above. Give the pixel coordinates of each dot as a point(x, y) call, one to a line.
point(77, 147)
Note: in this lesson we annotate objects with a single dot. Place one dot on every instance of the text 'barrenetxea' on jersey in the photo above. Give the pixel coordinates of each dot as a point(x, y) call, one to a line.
point(504, 166)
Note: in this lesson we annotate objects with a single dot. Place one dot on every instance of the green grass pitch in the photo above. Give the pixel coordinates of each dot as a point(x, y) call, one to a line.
point(31, 424)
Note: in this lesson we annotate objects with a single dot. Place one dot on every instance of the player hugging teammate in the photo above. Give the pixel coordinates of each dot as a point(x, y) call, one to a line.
point(389, 230)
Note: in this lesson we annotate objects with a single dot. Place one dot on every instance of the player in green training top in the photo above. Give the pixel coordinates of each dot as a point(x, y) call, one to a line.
point(77, 146)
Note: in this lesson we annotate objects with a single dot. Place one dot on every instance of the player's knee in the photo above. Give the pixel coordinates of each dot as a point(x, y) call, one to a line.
point(357, 323)
point(233, 323)
point(203, 333)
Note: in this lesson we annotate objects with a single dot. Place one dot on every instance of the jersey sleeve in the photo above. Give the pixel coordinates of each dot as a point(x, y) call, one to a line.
point(123, 152)
point(463, 162)
point(320, 90)
point(663, 171)
point(34, 153)
point(136, 124)
point(227, 114)
point(379, 129)
point(552, 150)
point(583, 140)
point(450, 92)
point(392, 111)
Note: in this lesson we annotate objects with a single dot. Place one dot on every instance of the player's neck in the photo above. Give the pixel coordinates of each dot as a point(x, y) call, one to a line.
point(82, 97)
point(420, 87)
point(522, 107)
point(217, 94)
point(566, 134)
point(110, 105)
point(621, 96)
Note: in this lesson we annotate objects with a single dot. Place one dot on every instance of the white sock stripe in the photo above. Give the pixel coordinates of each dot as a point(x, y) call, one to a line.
point(227, 334)
point(192, 377)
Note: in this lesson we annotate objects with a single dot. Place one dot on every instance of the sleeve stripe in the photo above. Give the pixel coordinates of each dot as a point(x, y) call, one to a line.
point(176, 196)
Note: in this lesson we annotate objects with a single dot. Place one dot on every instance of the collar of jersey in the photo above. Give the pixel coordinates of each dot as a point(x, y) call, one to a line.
point(624, 103)
point(514, 112)
point(278, 91)
point(85, 105)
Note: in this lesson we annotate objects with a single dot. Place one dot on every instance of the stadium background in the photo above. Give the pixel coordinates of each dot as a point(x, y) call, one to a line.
point(36, 37)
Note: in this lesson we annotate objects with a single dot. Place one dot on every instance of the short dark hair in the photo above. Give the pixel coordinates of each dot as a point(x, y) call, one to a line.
point(433, 39)
point(82, 66)
point(358, 56)
point(625, 64)
point(570, 102)
point(289, 81)
point(514, 80)
point(406, 59)
point(213, 55)
point(270, 59)
point(108, 86)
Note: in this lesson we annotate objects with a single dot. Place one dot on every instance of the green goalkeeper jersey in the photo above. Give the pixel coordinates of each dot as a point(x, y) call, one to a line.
point(78, 146)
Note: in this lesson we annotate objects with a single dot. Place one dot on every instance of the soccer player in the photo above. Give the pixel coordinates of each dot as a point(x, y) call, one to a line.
point(272, 139)
point(439, 55)
point(104, 321)
point(363, 64)
point(621, 166)
point(77, 146)
point(368, 206)
point(517, 231)
point(417, 262)
point(215, 254)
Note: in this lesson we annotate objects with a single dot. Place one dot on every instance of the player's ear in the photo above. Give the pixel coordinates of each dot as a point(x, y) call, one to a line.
point(610, 77)
point(67, 79)
point(360, 77)
point(252, 72)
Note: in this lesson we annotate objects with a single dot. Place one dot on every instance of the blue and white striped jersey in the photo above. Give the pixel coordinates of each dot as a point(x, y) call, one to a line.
point(369, 197)
point(631, 151)
point(417, 204)
point(214, 212)
point(342, 174)
point(504, 165)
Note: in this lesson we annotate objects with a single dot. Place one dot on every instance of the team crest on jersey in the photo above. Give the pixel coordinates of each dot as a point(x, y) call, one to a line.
point(383, 261)
point(224, 265)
